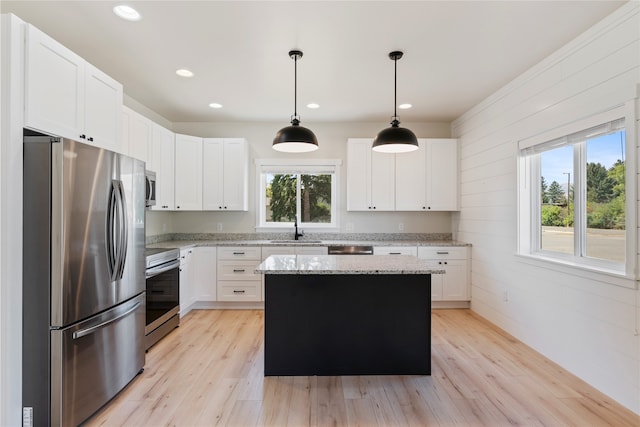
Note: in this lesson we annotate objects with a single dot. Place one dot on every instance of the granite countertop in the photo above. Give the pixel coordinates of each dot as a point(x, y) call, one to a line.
point(182, 244)
point(346, 264)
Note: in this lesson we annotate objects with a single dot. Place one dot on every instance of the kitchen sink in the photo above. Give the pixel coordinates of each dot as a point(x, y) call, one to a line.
point(296, 241)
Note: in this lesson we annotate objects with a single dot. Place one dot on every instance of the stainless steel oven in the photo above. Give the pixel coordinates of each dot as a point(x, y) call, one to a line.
point(163, 293)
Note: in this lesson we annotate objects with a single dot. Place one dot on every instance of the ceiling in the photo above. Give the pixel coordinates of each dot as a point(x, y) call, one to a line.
point(456, 53)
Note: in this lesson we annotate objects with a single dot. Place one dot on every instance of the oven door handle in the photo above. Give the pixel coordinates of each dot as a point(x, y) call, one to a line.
point(162, 268)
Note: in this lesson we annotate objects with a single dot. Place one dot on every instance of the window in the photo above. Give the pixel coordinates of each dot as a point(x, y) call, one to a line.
point(305, 191)
point(573, 195)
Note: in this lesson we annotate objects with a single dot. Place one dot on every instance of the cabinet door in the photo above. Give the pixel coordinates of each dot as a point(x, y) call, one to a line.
point(53, 86)
point(212, 174)
point(411, 194)
point(311, 250)
point(138, 134)
point(103, 111)
point(188, 173)
point(267, 251)
point(436, 280)
point(186, 282)
point(383, 170)
point(358, 174)
point(235, 178)
point(162, 162)
point(442, 174)
point(454, 282)
point(203, 264)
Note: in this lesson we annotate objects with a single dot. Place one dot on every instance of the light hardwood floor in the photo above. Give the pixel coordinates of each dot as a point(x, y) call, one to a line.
point(209, 372)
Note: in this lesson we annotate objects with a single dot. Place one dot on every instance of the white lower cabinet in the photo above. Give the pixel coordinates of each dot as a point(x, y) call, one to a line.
point(187, 282)
point(454, 284)
point(237, 280)
point(203, 265)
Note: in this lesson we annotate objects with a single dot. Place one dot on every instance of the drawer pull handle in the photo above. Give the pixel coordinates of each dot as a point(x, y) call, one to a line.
point(395, 253)
point(442, 252)
point(238, 291)
point(238, 270)
point(238, 253)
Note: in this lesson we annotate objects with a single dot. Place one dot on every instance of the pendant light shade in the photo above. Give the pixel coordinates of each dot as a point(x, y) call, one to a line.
point(295, 138)
point(395, 139)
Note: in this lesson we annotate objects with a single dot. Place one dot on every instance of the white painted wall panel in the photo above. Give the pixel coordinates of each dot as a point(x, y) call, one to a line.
point(586, 322)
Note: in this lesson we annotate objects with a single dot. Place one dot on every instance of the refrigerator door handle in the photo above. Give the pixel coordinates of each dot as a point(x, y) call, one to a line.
point(117, 233)
point(111, 232)
point(123, 230)
point(88, 331)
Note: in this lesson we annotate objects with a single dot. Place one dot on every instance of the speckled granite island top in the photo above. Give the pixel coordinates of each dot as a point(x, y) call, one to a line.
point(346, 264)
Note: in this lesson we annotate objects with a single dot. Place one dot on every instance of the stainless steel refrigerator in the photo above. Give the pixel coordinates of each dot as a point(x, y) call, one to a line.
point(83, 278)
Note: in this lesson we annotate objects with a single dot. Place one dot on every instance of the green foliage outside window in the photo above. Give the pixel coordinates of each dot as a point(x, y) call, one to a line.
point(315, 197)
point(605, 199)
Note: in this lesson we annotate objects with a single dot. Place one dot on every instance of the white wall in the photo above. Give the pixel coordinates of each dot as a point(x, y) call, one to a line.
point(11, 116)
point(332, 140)
point(586, 323)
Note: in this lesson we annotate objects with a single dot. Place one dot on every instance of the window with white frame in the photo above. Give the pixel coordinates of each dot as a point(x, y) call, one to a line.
point(577, 194)
point(303, 191)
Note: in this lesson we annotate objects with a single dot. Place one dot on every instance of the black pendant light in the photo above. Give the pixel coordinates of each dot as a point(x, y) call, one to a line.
point(295, 138)
point(395, 139)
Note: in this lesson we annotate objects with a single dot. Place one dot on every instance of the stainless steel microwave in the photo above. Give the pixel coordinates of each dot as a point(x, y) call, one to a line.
point(150, 185)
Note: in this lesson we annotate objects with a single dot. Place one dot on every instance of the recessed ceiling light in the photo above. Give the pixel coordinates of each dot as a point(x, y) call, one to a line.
point(215, 105)
point(404, 106)
point(313, 105)
point(127, 12)
point(183, 72)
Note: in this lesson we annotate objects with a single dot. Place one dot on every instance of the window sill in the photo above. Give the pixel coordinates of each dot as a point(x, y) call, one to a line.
point(305, 228)
point(610, 276)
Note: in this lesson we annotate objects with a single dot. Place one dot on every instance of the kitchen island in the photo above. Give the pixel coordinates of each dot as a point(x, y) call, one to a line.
point(347, 315)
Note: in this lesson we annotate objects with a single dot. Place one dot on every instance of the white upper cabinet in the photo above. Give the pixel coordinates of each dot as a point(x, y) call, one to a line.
point(427, 179)
point(162, 162)
point(370, 177)
point(225, 174)
point(442, 174)
point(102, 109)
point(188, 173)
point(136, 134)
point(68, 97)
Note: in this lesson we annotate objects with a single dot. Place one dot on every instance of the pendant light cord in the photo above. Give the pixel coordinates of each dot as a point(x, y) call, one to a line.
point(295, 86)
point(395, 87)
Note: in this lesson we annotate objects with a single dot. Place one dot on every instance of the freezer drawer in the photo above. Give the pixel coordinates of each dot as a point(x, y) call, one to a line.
point(93, 360)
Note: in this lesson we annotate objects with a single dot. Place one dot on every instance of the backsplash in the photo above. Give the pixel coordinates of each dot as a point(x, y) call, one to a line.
point(308, 236)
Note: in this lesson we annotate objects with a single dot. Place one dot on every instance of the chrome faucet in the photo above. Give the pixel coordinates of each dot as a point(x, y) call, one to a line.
point(296, 234)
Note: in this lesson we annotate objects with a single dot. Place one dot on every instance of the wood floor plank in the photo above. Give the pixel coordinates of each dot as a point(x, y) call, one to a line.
point(209, 372)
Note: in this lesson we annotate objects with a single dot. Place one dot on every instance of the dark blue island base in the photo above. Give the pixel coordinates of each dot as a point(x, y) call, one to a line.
point(347, 324)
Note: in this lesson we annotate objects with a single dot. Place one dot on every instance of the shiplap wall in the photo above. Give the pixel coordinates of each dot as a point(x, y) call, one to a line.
point(587, 323)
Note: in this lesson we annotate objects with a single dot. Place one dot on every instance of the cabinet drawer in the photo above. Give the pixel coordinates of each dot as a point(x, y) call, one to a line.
point(395, 250)
point(240, 252)
point(238, 270)
point(239, 291)
point(443, 252)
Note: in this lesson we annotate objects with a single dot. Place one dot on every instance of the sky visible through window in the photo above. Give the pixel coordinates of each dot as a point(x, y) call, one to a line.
point(606, 150)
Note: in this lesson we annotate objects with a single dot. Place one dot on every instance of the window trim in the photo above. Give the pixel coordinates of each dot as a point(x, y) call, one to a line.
point(313, 165)
point(528, 192)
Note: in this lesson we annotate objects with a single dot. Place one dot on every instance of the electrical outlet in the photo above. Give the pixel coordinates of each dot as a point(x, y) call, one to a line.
point(164, 228)
point(505, 295)
point(219, 226)
point(349, 227)
point(401, 226)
